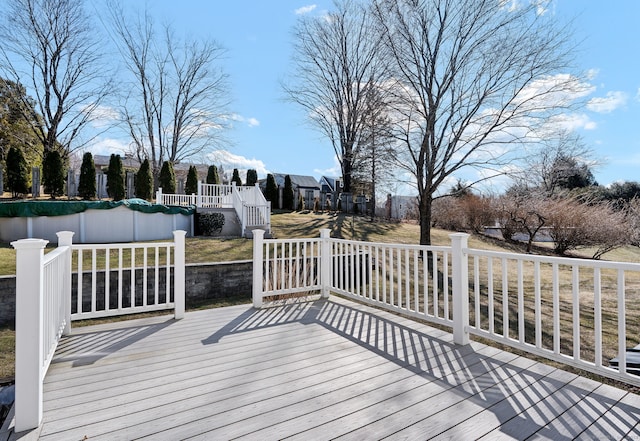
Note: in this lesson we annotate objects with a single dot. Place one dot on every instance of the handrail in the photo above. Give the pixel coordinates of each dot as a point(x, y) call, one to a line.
point(573, 311)
point(250, 205)
point(43, 302)
point(42, 288)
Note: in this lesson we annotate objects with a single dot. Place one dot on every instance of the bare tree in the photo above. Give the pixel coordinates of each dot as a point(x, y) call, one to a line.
point(373, 158)
point(633, 220)
point(522, 212)
point(475, 78)
point(178, 100)
point(575, 224)
point(560, 162)
point(336, 64)
point(51, 47)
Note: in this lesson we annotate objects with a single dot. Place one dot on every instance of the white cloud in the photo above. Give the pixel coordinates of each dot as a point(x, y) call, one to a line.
point(107, 146)
point(608, 104)
point(251, 122)
point(304, 10)
point(230, 161)
point(542, 6)
point(561, 90)
point(102, 116)
point(331, 172)
point(573, 121)
point(592, 74)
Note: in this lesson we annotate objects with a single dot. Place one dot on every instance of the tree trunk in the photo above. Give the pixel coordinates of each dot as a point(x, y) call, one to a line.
point(425, 204)
point(346, 173)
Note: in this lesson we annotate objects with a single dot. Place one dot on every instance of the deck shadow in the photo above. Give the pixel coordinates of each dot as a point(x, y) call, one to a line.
point(87, 348)
point(510, 387)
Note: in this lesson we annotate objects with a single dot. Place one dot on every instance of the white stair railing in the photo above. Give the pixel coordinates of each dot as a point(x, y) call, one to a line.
point(250, 205)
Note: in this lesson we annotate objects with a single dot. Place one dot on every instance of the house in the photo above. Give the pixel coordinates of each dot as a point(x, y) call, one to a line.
point(102, 162)
point(401, 207)
point(330, 185)
point(307, 186)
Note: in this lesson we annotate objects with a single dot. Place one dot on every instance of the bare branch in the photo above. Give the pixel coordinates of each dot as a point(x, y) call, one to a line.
point(336, 61)
point(52, 46)
point(475, 80)
point(178, 105)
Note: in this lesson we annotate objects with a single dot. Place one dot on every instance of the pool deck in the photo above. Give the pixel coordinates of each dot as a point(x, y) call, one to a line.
point(316, 370)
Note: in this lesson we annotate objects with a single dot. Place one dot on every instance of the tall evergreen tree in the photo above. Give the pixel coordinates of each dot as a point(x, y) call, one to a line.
point(271, 191)
point(212, 175)
point(236, 177)
point(252, 177)
point(167, 178)
point(19, 121)
point(53, 171)
point(191, 187)
point(115, 178)
point(17, 172)
point(87, 181)
point(287, 196)
point(144, 181)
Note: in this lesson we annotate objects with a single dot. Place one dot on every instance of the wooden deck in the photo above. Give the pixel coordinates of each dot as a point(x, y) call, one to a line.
point(317, 370)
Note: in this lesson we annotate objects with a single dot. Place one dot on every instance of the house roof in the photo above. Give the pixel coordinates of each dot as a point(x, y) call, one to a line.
point(299, 181)
point(127, 161)
point(181, 169)
point(330, 182)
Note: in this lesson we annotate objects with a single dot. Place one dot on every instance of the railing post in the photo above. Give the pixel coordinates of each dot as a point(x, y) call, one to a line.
point(159, 196)
point(325, 261)
point(258, 265)
point(29, 317)
point(65, 239)
point(268, 217)
point(178, 274)
point(460, 282)
point(244, 217)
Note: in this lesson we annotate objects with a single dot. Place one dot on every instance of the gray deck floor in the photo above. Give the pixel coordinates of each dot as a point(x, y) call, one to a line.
point(317, 370)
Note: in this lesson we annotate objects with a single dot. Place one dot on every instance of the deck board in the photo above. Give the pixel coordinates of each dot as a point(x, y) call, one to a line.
point(315, 370)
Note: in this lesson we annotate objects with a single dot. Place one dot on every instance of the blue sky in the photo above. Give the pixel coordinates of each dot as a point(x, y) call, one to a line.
point(271, 135)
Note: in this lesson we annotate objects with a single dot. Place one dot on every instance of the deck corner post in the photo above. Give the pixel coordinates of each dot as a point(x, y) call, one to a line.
point(258, 265)
point(159, 196)
point(65, 239)
point(460, 278)
point(29, 328)
point(178, 274)
point(325, 262)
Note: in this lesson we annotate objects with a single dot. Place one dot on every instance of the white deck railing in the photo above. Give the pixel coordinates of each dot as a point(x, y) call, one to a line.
point(250, 205)
point(575, 311)
point(118, 279)
point(41, 317)
point(215, 196)
point(44, 293)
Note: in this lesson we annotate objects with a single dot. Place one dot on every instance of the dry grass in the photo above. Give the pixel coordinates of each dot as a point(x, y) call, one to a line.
point(584, 307)
point(7, 354)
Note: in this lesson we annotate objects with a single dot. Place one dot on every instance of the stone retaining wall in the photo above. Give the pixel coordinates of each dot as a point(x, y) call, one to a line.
point(204, 283)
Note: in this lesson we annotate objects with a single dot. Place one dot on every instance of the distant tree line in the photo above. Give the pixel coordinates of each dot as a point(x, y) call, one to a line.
point(562, 201)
